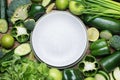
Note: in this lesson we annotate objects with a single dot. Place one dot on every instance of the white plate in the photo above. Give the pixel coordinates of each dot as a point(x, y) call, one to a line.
point(59, 39)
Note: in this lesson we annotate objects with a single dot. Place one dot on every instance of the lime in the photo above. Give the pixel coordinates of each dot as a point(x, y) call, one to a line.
point(62, 4)
point(93, 34)
point(55, 74)
point(7, 41)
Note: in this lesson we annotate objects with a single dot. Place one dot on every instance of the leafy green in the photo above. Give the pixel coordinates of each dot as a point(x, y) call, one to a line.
point(18, 68)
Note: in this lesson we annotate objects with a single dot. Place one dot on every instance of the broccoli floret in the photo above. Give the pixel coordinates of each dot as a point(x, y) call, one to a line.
point(14, 5)
point(115, 42)
point(21, 13)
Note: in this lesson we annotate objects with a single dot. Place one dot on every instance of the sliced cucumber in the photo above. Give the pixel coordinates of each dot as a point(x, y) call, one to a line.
point(23, 49)
point(3, 26)
point(45, 2)
point(105, 34)
point(111, 76)
point(102, 75)
point(116, 73)
point(50, 7)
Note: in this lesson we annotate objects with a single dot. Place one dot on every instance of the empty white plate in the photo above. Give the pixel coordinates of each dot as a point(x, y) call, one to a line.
point(59, 39)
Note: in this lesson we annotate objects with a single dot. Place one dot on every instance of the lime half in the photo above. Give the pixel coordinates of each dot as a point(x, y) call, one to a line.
point(93, 34)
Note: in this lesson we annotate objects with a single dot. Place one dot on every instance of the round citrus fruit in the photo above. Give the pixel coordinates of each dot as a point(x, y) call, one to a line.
point(62, 4)
point(93, 34)
point(7, 41)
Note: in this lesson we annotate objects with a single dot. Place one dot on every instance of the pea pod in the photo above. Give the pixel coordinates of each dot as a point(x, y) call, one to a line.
point(89, 66)
point(72, 74)
point(99, 48)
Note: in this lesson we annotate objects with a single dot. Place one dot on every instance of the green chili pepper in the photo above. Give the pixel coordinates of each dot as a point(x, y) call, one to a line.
point(36, 10)
point(72, 74)
point(99, 48)
point(20, 33)
point(89, 66)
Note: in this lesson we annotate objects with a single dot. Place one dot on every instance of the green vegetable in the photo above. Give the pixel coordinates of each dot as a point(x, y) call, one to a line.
point(89, 78)
point(105, 34)
point(102, 75)
point(110, 62)
point(29, 24)
point(19, 68)
point(3, 26)
point(103, 23)
point(116, 73)
point(21, 13)
point(3, 9)
point(72, 74)
point(36, 10)
point(46, 2)
point(111, 76)
point(89, 66)
point(99, 48)
point(115, 42)
point(20, 33)
point(107, 8)
point(14, 5)
point(7, 56)
point(22, 49)
point(55, 74)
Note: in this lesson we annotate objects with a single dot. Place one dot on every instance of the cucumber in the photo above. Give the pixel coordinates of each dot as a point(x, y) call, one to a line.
point(110, 62)
point(3, 26)
point(103, 23)
point(105, 34)
point(22, 49)
point(116, 73)
point(45, 2)
point(111, 76)
point(102, 75)
point(3, 8)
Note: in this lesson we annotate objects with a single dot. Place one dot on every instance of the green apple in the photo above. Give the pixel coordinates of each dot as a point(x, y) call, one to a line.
point(89, 78)
point(62, 4)
point(55, 74)
point(76, 8)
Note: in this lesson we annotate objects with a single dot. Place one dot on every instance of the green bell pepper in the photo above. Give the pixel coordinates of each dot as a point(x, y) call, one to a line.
point(36, 10)
point(72, 74)
point(20, 33)
point(99, 48)
point(89, 65)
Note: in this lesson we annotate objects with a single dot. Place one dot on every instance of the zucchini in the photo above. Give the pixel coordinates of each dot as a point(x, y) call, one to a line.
point(103, 23)
point(110, 62)
point(3, 26)
point(22, 49)
point(3, 8)
point(116, 73)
